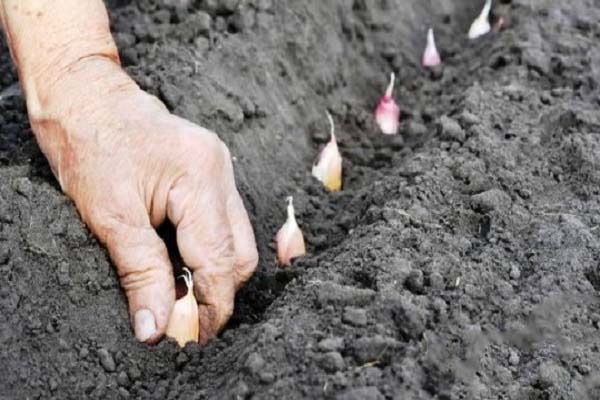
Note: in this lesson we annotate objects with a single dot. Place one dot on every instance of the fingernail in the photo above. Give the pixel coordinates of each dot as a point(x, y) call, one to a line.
point(144, 325)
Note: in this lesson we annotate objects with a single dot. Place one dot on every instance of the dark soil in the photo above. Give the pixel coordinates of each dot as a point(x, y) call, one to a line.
point(461, 261)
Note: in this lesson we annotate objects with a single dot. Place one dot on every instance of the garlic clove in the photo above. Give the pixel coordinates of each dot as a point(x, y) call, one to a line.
point(431, 57)
point(498, 25)
point(387, 114)
point(481, 24)
point(289, 238)
point(328, 166)
point(184, 325)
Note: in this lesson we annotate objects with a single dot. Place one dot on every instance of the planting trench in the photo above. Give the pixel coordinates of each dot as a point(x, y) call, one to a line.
point(461, 260)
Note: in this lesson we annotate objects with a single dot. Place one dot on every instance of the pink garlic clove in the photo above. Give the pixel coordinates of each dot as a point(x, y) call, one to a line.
point(387, 114)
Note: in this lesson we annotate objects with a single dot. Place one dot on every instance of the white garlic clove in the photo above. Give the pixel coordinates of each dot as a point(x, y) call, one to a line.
point(328, 166)
point(431, 57)
point(289, 238)
point(481, 24)
point(184, 325)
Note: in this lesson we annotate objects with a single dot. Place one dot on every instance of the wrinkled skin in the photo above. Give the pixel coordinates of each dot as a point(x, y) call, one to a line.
point(128, 164)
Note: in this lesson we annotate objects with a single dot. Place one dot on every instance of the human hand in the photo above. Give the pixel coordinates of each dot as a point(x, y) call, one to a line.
point(129, 164)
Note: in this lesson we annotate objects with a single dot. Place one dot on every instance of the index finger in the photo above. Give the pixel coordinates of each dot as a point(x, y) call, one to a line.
point(205, 241)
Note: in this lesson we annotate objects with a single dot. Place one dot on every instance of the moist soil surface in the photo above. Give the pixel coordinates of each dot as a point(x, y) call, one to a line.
point(460, 261)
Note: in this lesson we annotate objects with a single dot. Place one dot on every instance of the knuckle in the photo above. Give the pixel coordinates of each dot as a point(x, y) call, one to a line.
point(214, 152)
point(242, 277)
point(134, 278)
point(109, 211)
point(222, 248)
point(99, 220)
point(247, 264)
point(217, 250)
point(139, 255)
point(111, 227)
point(251, 258)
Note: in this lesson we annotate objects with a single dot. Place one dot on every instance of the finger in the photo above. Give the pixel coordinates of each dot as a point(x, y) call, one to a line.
point(216, 294)
point(205, 242)
point(143, 267)
point(246, 255)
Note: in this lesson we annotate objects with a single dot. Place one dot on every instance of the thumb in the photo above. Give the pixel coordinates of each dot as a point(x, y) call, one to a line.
point(144, 269)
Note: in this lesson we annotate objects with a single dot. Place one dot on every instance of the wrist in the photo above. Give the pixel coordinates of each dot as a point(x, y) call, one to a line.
point(89, 87)
point(50, 39)
point(75, 87)
point(47, 87)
